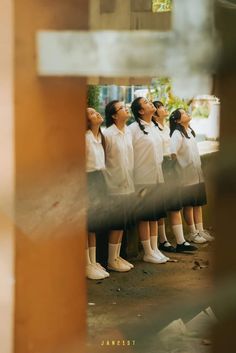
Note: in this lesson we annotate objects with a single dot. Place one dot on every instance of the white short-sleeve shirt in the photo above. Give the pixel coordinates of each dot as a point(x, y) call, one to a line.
point(188, 158)
point(119, 161)
point(148, 153)
point(95, 156)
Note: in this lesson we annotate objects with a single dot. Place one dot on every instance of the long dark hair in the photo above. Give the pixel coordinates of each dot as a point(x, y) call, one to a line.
point(100, 131)
point(110, 110)
point(135, 107)
point(175, 116)
point(157, 104)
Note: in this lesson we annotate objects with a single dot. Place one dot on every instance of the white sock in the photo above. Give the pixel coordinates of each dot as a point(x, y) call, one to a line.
point(199, 226)
point(92, 254)
point(153, 241)
point(178, 233)
point(112, 252)
point(88, 262)
point(192, 228)
point(162, 233)
point(147, 247)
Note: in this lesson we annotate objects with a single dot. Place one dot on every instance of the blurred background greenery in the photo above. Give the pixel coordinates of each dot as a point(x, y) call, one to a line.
point(161, 5)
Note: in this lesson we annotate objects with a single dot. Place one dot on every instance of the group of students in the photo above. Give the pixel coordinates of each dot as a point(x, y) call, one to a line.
point(136, 175)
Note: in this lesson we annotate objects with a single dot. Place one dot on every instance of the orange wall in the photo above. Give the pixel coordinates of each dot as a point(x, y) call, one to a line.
point(50, 302)
point(7, 162)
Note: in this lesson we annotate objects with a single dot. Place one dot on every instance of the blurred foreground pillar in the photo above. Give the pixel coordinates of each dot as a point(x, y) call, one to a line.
point(225, 259)
point(42, 186)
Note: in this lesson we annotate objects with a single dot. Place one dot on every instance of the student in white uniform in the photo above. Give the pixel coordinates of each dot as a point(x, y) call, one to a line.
point(173, 195)
point(119, 178)
point(148, 177)
point(95, 165)
point(184, 149)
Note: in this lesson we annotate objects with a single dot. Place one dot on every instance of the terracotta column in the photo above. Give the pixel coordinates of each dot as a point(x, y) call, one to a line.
point(225, 259)
point(43, 186)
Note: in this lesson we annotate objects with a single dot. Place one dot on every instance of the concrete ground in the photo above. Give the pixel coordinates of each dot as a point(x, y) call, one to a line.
point(127, 310)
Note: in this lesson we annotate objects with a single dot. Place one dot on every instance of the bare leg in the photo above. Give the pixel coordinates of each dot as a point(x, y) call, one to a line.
point(175, 218)
point(153, 226)
point(163, 241)
point(161, 222)
point(144, 234)
point(115, 236)
point(162, 231)
point(91, 240)
point(197, 214)
point(188, 215)
point(189, 218)
point(144, 230)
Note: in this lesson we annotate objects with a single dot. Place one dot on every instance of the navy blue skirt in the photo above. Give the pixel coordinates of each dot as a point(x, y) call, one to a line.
point(194, 195)
point(173, 200)
point(97, 215)
point(149, 202)
point(121, 212)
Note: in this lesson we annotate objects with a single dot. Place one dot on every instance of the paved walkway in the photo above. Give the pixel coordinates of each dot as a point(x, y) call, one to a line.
point(127, 310)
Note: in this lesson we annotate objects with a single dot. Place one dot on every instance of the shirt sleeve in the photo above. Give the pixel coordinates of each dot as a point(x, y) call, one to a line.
point(175, 142)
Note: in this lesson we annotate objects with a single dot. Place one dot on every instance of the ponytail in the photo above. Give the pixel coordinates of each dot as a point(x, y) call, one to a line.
point(156, 124)
point(135, 107)
point(157, 104)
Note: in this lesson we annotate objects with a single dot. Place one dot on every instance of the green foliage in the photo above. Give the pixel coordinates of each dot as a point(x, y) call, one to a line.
point(161, 5)
point(201, 111)
point(162, 91)
point(93, 97)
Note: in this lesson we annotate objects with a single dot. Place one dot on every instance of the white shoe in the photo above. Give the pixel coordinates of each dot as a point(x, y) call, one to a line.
point(102, 269)
point(117, 265)
point(92, 272)
point(159, 253)
point(126, 262)
point(206, 235)
point(195, 237)
point(153, 258)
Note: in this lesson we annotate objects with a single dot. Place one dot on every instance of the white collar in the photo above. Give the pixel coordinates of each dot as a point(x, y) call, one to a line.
point(143, 122)
point(98, 140)
point(117, 131)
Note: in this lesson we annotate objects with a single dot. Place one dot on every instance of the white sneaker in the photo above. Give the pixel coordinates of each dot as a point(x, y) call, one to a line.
point(162, 256)
point(195, 237)
point(153, 258)
point(92, 272)
point(126, 262)
point(206, 235)
point(117, 265)
point(102, 269)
